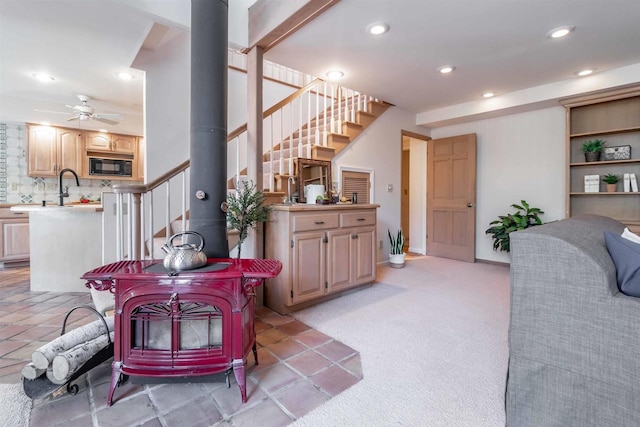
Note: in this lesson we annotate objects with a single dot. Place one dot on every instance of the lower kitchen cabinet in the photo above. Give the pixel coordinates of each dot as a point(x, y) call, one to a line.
point(14, 236)
point(325, 250)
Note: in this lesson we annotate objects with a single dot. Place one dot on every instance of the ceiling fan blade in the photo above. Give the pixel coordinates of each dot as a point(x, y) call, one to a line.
point(103, 120)
point(73, 118)
point(49, 111)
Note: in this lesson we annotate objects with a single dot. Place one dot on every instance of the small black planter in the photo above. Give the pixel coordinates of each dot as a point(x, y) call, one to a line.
point(592, 156)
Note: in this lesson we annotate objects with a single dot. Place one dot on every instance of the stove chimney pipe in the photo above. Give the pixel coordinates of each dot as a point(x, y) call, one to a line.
point(208, 176)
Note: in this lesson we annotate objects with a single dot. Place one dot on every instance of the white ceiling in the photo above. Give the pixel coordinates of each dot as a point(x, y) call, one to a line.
point(496, 45)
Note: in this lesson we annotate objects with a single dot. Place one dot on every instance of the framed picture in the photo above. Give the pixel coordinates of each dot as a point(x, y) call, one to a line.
point(620, 152)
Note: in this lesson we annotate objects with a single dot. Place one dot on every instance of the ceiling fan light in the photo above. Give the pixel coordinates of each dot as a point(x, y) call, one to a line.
point(43, 77)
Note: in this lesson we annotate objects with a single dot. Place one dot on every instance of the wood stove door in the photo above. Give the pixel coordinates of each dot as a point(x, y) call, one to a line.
point(183, 331)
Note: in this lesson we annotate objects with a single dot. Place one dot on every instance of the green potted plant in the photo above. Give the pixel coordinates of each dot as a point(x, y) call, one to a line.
point(612, 182)
point(592, 149)
point(245, 210)
point(396, 254)
point(524, 217)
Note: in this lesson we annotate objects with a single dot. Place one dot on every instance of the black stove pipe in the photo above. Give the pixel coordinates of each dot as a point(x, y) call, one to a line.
point(208, 176)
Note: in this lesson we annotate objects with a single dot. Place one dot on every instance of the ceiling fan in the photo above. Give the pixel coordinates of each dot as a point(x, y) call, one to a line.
point(87, 112)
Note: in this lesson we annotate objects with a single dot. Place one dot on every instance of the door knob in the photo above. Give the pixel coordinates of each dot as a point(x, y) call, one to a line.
point(469, 205)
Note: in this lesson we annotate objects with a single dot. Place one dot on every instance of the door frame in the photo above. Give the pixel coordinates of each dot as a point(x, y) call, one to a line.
point(419, 209)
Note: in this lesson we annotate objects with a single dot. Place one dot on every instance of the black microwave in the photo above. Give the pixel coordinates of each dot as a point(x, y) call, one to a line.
point(110, 167)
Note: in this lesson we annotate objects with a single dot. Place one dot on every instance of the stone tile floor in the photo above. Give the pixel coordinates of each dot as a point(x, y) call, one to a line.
point(300, 368)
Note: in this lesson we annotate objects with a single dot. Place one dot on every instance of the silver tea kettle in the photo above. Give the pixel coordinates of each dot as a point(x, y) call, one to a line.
point(184, 257)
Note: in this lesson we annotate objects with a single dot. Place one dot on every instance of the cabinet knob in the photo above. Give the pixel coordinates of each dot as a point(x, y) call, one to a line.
point(354, 236)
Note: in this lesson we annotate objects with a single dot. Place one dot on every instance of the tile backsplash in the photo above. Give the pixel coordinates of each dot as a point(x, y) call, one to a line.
point(16, 187)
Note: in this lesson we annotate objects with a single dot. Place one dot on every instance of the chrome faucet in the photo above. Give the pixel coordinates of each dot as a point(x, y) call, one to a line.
point(65, 193)
point(291, 180)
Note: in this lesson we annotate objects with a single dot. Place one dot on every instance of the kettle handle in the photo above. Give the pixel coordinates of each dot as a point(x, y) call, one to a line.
point(187, 232)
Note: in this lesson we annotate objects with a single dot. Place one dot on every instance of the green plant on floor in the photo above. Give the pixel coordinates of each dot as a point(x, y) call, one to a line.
point(524, 217)
point(245, 210)
point(593, 146)
point(611, 178)
point(396, 242)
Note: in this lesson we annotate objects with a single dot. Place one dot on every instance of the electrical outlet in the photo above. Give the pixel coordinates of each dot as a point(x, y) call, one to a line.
point(389, 188)
point(51, 186)
point(14, 186)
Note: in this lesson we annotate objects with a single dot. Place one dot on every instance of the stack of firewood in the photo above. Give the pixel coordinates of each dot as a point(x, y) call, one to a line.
point(65, 355)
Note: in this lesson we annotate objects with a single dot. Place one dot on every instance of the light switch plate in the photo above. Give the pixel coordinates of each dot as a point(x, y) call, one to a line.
point(389, 188)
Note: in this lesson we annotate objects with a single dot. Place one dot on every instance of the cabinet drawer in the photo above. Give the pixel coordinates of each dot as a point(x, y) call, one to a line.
point(314, 222)
point(353, 219)
point(6, 213)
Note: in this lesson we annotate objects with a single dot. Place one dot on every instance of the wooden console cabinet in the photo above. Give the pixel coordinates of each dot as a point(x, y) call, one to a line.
point(324, 249)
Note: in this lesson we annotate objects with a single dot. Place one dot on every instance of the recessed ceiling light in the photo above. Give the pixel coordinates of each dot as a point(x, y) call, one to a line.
point(560, 32)
point(103, 130)
point(125, 76)
point(45, 123)
point(446, 69)
point(488, 94)
point(335, 74)
point(583, 73)
point(43, 77)
point(377, 28)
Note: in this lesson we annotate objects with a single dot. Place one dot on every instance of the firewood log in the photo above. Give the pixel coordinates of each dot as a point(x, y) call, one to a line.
point(30, 371)
point(44, 355)
point(53, 379)
point(67, 363)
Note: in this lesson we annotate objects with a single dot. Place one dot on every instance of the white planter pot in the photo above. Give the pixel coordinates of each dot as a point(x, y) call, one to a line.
point(396, 260)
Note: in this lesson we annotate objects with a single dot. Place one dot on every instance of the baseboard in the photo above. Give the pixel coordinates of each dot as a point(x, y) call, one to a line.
point(500, 263)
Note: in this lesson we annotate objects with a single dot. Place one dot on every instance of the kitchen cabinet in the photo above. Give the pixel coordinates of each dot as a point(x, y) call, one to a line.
point(52, 149)
point(325, 250)
point(14, 236)
point(110, 143)
point(612, 116)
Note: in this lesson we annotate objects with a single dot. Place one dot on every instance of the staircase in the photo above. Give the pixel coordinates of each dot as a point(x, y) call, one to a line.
point(318, 121)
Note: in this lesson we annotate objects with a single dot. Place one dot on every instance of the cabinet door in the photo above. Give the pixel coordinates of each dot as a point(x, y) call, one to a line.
point(41, 148)
point(70, 150)
point(364, 255)
point(97, 141)
point(339, 256)
point(308, 281)
point(124, 144)
point(14, 239)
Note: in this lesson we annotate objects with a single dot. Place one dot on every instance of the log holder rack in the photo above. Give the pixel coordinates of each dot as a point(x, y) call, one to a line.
point(42, 387)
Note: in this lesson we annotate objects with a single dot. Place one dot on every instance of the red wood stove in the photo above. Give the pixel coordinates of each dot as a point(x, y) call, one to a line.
point(181, 324)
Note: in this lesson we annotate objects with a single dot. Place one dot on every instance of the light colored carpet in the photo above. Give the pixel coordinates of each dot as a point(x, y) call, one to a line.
point(15, 408)
point(433, 344)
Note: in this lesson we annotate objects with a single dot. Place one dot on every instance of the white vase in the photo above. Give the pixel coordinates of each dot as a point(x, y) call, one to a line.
point(396, 260)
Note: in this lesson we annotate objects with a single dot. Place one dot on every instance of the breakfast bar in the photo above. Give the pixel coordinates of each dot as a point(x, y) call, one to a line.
point(65, 242)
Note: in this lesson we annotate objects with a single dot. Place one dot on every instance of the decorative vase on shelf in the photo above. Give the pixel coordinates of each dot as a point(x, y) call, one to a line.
point(592, 156)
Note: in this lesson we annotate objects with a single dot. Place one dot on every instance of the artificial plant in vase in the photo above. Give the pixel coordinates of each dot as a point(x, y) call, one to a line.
point(612, 182)
point(592, 149)
point(396, 254)
point(524, 217)
point(245, 210)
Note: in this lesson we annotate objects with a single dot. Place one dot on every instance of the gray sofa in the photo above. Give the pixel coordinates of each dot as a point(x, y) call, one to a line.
point(574, 339)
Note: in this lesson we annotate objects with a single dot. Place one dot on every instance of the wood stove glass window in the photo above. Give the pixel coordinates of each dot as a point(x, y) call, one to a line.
point(197, 325)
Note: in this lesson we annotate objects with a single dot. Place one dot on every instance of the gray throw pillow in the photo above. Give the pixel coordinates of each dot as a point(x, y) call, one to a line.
point(626, 257)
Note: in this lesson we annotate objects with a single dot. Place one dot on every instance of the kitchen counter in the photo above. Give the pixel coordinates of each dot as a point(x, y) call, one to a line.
point(299, 207)
point(65, 242)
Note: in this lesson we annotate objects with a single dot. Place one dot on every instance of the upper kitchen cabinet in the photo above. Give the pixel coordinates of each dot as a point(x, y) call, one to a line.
point(110, 143)
point(50, 150)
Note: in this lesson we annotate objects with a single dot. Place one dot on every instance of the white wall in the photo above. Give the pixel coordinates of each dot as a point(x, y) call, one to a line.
point(379, 148)
point(520, 156)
